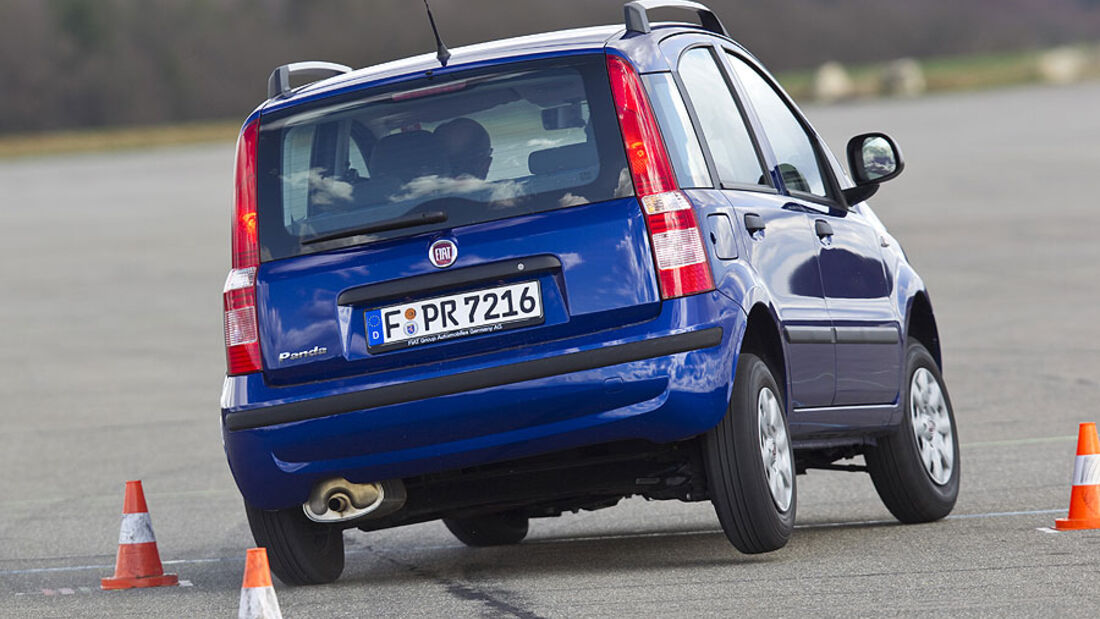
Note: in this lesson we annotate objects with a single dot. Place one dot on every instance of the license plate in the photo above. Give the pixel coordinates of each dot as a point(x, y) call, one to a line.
point(454, 316)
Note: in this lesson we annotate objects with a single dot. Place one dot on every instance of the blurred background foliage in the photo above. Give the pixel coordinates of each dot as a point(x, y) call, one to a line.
point(87, 63)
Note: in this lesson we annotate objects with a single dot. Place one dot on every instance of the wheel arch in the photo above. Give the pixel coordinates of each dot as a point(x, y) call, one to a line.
point(762, 338)
point(920, 324)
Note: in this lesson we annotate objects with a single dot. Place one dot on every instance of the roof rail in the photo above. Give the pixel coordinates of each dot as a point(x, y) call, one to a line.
point(278, 85)
point(637, 18)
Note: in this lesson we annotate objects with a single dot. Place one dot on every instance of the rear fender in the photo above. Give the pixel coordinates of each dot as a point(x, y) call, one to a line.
point(754, 296)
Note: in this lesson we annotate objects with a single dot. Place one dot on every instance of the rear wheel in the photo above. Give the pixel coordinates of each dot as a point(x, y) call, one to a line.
point(301, 552)
point(500, 529)
point(750, 463)
point(916, 468)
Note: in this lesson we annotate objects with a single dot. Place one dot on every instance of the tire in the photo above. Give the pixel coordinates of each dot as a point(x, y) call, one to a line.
point(300, 551)
point(915, 469)
point(744, 463)
point(500, 529)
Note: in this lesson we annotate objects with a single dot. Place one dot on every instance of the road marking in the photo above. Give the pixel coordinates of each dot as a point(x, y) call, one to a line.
point(816, 525)
point(1032, 512)
point(560, 540)
point(78, 568)
point(76, 590)
point(152, 496)
point(1021, 441)
point(1047, 530)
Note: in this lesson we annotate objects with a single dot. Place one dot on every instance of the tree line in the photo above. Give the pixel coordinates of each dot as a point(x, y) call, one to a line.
point(84, 63)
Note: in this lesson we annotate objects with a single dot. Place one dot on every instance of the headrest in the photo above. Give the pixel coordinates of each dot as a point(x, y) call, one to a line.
point(571, 157)
point(408, 155)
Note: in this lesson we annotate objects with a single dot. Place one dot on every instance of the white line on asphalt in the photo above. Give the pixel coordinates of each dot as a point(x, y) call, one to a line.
point(75, 590)
point(188, 561)
point(77, 568)
point(1021, 441)
point(1047, 530)
point(816, 525)
point(1033, 512)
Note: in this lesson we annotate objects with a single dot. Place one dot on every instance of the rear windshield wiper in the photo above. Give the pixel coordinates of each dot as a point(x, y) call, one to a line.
point(408, 221)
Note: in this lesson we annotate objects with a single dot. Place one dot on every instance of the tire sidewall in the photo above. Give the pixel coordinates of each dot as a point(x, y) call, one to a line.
point(300, 551)
point(917, 357)
point(757, 375)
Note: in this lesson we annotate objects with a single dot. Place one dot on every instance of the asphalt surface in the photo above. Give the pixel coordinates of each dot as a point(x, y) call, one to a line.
point(111, 365)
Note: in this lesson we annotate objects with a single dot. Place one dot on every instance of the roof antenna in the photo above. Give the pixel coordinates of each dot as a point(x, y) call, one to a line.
point(442, 53)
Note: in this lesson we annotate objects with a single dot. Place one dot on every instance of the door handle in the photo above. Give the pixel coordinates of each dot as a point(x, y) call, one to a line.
point(822, 228)
point(753, 223)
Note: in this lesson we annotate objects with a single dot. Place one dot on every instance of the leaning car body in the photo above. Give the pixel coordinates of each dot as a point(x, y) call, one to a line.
point(594, 404)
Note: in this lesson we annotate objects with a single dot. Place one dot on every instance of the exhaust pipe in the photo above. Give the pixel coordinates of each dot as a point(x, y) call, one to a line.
point(339, 500)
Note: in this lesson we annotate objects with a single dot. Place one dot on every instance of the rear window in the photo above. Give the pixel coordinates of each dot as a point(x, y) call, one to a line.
point(438, 153)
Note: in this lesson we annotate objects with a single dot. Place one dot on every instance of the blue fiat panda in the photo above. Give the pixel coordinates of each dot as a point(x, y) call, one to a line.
point(543, 274)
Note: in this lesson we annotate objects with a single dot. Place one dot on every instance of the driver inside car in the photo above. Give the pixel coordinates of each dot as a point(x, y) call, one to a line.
point(467, 146)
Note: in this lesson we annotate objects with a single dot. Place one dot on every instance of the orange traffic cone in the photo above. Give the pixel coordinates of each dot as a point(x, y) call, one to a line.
point(258, 599)
point(1084, 499)
point(138, 563)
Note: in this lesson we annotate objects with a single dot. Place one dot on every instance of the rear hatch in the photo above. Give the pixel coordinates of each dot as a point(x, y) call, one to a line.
point(446, 216)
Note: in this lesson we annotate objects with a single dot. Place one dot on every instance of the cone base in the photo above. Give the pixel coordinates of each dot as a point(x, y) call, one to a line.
point(1076, 524)
point(134, 582)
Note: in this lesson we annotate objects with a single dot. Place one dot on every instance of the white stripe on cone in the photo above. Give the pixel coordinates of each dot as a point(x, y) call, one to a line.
point(1086, 470)
point(136, 529)
point(259, 603)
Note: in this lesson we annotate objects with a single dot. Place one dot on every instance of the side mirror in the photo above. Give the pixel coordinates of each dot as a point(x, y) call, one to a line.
point(873, 158)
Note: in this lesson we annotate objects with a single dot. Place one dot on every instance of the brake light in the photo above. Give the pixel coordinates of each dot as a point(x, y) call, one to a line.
point(246, 246)
point(682, 266)
point(678, 251)
point(428, 91)
point(242, 343)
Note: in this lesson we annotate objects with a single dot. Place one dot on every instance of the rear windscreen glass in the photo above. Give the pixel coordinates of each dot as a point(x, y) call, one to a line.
point(437, 153)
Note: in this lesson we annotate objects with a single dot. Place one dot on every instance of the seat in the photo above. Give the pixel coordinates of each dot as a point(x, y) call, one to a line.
point(408, 155)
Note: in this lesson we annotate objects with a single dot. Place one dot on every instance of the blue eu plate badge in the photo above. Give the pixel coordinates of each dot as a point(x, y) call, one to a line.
point(374, 327)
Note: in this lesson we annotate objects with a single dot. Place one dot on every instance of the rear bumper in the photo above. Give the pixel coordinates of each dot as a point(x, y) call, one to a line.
point(653, 381)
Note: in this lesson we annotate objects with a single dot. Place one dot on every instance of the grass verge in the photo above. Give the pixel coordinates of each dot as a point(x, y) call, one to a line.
point(108, 139)
point(945, 74)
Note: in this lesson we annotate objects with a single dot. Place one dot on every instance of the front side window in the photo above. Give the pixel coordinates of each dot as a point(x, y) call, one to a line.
point(795, 154)
point(720, 119)
point(438, 153)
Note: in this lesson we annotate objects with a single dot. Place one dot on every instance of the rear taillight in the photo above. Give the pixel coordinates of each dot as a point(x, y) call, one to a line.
point(678, 251)
point(246, 247)
point(242, 342)
point(682, 266)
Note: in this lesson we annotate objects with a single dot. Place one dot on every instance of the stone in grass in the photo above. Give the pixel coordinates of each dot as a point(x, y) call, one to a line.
point(832, 83)
point(903, 78)
point(1062, 65)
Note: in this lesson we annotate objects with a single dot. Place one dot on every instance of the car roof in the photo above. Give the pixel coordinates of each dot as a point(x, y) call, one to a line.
point(642, 49)
point(561, 41)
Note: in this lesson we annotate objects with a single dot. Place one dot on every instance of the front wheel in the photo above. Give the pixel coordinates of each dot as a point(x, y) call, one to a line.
point(750, 464)
point(302, 552)
point(915, 469)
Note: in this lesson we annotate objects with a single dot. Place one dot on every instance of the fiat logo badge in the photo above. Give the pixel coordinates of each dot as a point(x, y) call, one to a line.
point(443, 253)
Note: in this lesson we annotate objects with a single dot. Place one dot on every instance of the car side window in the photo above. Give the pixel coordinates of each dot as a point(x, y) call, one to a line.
point(720, 119)
point(797, 159)
point(680, 140)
